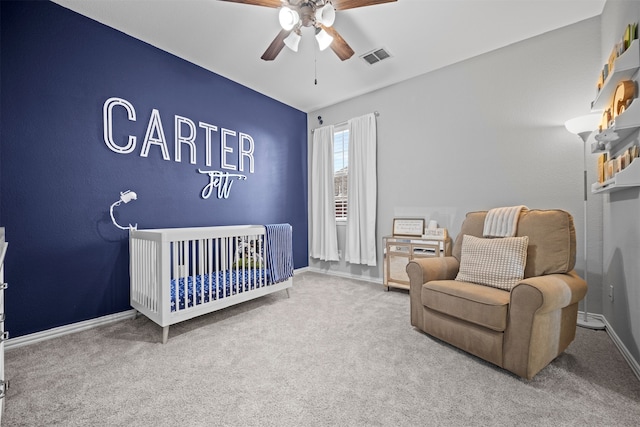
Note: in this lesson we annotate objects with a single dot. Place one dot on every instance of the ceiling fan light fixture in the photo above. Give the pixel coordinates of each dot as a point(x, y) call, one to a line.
point(326, 15)
point(324, 39)
point(293, 40)
point(288, 18)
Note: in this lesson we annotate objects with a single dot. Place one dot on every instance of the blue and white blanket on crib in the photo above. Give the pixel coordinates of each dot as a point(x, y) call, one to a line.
point(224, 283)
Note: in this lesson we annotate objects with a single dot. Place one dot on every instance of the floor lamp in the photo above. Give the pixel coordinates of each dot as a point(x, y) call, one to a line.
point(583, 126)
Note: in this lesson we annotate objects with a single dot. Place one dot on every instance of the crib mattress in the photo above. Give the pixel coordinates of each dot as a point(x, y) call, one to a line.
point(214, 286)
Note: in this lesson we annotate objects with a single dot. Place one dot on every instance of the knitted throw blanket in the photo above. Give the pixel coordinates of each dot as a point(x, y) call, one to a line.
point(502, 222)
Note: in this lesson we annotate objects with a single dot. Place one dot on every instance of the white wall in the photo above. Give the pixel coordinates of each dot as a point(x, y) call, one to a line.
point(484, 133)
point(621, 216)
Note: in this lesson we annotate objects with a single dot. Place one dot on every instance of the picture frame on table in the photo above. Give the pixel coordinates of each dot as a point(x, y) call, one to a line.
point(408, 227)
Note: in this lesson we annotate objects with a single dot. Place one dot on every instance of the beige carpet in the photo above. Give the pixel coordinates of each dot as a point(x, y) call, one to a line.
point(338, 352)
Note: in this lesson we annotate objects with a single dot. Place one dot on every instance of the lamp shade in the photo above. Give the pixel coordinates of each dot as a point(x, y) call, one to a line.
point(326, 15)
point(292, 41)
point(581, 124)
point(324, 39)
point(288, 18)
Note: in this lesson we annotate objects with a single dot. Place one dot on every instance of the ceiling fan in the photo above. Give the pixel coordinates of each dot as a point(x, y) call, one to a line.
point(319, 14)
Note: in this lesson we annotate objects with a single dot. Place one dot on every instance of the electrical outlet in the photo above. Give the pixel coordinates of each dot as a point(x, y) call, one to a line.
point(611, 293)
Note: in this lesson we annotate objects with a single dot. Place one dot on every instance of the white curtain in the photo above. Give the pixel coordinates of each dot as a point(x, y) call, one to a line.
point(323, 238)
point(360, 245)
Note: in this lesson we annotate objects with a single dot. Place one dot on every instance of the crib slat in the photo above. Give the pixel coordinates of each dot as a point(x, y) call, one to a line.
point(177, 259)
point(229, 265)
point(263, 270)
point(217, 269)
point(142, 273)
point(239, 267)
point(181, 287)
point(152, 272)
point(235, 277)
point(193, 256)
point(209, 265)
point(203, 270)
point(223, 265)
point(197, 274)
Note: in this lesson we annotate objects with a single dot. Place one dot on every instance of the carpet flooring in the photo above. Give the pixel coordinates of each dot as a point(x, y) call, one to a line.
point(339, 352)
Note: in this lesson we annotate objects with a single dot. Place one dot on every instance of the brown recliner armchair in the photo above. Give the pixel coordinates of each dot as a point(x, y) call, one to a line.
point(521, 330)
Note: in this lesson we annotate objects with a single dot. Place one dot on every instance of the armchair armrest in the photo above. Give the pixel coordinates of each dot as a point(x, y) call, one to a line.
point(550, 292)
point(542, 321)
point(423, 270)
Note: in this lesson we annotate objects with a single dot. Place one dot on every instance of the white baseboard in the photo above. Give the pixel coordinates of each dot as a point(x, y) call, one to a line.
point(345, 275)
point(67, 329)
point(633, 364)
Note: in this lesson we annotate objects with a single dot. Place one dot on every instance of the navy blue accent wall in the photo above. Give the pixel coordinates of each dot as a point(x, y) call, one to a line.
point(66, 261)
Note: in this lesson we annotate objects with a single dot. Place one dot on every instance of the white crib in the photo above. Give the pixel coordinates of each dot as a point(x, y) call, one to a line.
point(180, 273)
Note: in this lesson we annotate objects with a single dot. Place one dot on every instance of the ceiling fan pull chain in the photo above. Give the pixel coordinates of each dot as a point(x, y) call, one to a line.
point(315, 67)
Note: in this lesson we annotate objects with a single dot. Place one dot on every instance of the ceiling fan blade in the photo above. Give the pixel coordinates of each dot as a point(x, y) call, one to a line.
point(338, 45)
point(276, 46)
point(351, 4)
point(267, 3)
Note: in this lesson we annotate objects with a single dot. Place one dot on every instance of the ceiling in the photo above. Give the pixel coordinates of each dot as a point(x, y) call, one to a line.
point(421, 36)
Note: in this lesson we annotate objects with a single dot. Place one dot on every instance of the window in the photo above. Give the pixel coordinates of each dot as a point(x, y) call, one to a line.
point(341, 172)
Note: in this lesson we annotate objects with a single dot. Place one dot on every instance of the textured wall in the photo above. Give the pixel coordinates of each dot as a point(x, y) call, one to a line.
point(67, 262)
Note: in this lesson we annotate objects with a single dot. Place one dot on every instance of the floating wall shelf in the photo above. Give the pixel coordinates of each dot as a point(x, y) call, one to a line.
point(624, 67)
point(628, 177)
point(623, 126)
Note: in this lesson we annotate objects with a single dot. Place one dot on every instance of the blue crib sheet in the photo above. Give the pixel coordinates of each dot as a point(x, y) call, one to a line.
point(233, 281)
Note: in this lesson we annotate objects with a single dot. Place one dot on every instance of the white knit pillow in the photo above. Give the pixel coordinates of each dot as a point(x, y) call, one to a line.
point(493, 262)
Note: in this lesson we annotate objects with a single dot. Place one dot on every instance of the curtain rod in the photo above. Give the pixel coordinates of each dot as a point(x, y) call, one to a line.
point(341, 123)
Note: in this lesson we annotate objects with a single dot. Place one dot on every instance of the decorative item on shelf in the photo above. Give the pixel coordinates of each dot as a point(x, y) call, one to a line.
point(607, 135)
point(606, 119)
point(630, 34)
point(612, 59)
point(622, 97)
point(600, 83)
point(602, 161)
point(608, 170)
point(626, 159)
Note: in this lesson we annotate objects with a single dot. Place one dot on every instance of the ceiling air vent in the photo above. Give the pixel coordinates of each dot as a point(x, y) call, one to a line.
point(375, 56)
